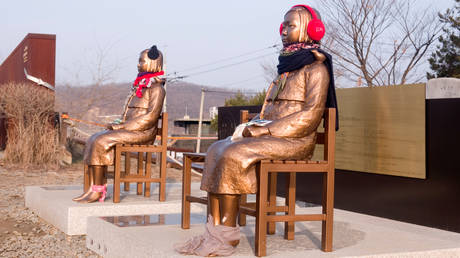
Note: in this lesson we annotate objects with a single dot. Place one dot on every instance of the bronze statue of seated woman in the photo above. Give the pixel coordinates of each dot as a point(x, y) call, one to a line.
point(138, 123)
point(294, 106)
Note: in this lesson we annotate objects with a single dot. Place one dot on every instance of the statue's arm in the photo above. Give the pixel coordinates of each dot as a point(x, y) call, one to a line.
point(304, 122)
point(148, 120)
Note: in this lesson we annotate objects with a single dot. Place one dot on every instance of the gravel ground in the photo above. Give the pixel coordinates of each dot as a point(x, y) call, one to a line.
point(23, 233)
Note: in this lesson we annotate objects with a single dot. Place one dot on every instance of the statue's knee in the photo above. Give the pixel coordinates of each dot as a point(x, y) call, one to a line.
point(231, 151)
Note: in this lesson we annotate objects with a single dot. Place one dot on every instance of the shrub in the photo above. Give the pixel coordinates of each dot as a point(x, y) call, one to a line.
point(32, 137)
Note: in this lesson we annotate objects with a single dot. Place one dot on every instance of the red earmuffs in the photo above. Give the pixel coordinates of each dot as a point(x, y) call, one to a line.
point(315, 28)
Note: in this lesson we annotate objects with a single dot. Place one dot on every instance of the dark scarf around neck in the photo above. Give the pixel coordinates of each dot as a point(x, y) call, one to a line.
point(302, 57)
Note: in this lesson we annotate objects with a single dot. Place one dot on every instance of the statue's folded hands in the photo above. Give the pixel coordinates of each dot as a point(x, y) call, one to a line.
point(255, 131)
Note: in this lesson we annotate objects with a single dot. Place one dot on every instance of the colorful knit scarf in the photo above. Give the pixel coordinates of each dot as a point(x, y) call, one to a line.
point(290, 49)
point(143, 81)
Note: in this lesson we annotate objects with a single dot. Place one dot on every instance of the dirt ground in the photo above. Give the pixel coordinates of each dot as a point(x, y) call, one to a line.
point(23, 233)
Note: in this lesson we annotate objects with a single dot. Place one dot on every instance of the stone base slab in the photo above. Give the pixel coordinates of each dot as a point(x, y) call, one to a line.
point(54, 204)
point(355, 235)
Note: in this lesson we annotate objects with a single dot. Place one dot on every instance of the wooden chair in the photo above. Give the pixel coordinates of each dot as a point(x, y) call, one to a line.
point(189, 160)
point(265, 212)
point(143, 176)
point(265, 208)
point(187, 198)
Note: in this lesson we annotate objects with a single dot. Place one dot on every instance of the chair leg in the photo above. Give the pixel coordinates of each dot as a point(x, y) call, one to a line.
point(116, 178)
point(289, 227)
point(106, 173)
point(242, 216)
point(272, 202)
point(162, 194)
point(148, 173)
point(261, 214)
point(86, 181)
point(127, 169)
point(161, 219)
point(328, 209)
point(186, 189)
point(140, 163)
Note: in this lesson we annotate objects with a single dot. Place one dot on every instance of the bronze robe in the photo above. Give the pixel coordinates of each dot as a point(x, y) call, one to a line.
point(295, 113)
point(139, 126)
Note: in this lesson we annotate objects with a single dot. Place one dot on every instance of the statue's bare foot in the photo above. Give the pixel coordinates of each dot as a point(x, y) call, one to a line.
point(83, 196)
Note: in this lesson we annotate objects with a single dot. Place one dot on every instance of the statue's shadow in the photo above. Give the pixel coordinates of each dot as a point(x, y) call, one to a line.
point(307, 237)
point(132, 196)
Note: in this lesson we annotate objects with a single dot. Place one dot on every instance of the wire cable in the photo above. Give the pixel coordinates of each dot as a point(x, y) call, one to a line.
point(223, 60)
point(245, 92)
point(221, 67)
point(260, 76)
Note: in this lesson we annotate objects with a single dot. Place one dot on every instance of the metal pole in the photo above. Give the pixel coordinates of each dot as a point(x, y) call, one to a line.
point(198, 141)
point(164, 102)
point(166, 84)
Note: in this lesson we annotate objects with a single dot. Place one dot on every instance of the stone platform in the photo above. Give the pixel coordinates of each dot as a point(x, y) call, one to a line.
point(144, 227)
point(355, 235)
point(54, 204)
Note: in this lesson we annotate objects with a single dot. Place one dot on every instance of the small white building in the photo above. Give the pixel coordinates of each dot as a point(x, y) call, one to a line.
point(213, 111)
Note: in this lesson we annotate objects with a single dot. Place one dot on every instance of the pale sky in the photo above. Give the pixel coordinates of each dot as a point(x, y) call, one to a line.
point(189, 33)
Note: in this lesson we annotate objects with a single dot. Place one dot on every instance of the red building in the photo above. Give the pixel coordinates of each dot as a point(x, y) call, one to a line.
point(33, 60)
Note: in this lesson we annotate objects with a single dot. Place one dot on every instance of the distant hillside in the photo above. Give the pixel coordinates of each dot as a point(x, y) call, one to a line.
point(95, 103)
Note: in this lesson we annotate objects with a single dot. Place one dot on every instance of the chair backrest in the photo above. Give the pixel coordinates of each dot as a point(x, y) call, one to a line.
point(163, 128)
point(245, 116)
point(327, 138)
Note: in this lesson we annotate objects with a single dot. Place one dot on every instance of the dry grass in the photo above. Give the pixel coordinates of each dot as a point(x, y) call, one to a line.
point(32, 138)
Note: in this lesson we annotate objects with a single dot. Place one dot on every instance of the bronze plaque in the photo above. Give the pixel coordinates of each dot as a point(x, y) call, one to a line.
point(382, 130)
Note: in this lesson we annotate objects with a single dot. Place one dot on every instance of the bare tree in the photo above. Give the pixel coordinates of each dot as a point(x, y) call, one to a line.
point(380, 41)
point(102, 68)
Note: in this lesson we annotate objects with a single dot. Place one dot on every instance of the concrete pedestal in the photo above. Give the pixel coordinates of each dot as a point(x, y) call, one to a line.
point(354, 235)
point(54, 204)
point(144, 227)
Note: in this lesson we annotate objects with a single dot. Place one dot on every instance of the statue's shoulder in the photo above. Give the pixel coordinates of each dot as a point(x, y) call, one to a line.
point(316, 71)
point(156, 84)
point(318, 64)
point(316, 67)
point(157, 87)
point(320, 57)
